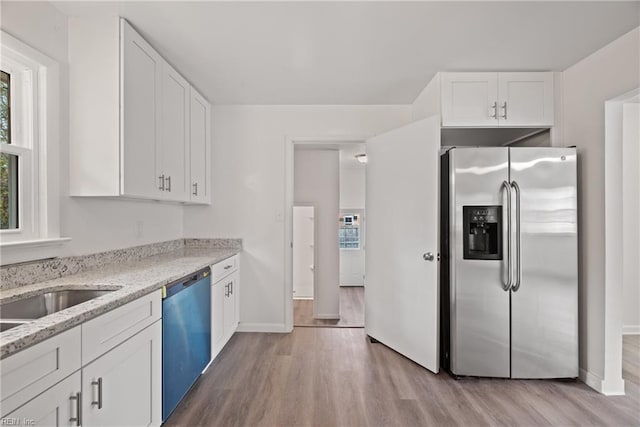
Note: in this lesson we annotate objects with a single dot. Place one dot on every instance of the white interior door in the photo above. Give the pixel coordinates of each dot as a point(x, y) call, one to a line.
point(401, 302)
point(303, 251)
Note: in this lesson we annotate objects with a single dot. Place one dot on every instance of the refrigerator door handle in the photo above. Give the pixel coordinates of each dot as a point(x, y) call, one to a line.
point(518, 275)
point(506, 286)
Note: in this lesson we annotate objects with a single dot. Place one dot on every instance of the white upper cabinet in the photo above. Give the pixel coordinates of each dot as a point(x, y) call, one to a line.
point(140, 114)
point(525, 99)
point(174, 136)
point(519, 99)
point(200, 151)
point(130, 118)
point(469, 99)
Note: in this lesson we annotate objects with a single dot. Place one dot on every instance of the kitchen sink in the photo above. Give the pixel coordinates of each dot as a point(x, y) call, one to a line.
point(8, 324)
point(17, 312)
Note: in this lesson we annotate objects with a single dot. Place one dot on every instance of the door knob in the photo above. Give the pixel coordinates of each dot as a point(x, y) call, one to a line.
point(428, 256)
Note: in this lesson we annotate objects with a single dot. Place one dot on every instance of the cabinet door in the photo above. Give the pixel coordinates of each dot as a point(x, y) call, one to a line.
point(469, 99)
point(139, 114)
point(174, 135)
point(200, 153)
point(31, 371)
point(230, 309)
point(124, 387)
point(57, 406)
point(526, 99)
point(218, 298)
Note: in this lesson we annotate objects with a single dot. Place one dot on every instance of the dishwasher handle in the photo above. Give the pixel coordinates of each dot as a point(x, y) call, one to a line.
point(179, 285)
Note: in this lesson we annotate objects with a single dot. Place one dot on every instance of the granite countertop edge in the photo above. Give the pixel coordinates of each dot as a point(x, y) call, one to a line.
point(129, 281)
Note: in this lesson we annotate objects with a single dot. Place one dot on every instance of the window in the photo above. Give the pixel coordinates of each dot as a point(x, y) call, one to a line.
point(29, 135)
point(349, 231)
point(8, 162)
point(18, 147)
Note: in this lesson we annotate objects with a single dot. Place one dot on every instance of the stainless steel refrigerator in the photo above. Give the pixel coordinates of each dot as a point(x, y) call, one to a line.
point(509, 281)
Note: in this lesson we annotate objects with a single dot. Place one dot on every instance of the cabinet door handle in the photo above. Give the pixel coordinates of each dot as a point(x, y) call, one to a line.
point(226, 290)
point(504, 108)
point(78, 418)
point(195, 189)
point(99, 402)
point(161, 178)
point(226, 267)
point(231, 288)
point(168, 179)
point(494, 108)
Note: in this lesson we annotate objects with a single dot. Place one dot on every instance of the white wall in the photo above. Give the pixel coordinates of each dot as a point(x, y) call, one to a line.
point(427, 103)
point(607, 73)
point(352, 186)
point(93, 224)
point(317, 182)
point(352, 200)
point(631, 218)
point(249, 189)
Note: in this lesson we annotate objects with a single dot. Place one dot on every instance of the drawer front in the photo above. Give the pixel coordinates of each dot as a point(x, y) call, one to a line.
point(56, 407)
point(33, 370)
point(224, 268)
point(101, 334)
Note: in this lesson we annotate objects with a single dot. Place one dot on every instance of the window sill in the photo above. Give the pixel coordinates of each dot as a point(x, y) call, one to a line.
point(30, 250)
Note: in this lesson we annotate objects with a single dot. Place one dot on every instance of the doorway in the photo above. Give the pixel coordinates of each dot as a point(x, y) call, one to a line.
point(328, 263)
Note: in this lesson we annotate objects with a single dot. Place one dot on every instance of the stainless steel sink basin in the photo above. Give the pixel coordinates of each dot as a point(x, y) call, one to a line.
point(8, 324)
point(14, 313)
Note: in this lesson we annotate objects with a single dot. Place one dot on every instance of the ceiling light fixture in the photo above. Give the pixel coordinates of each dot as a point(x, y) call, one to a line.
point(362, 158)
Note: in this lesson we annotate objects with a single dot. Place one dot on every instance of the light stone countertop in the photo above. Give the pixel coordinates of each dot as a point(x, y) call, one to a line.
point(131, 280)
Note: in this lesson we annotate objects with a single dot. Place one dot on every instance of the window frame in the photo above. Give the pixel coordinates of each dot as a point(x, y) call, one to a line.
point(38, 150)
point(25, 142)
point(357, 227)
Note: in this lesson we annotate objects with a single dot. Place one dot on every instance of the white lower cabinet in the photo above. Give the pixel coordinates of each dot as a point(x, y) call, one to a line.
point(118, 382)
point(225, 303)
point(122, 387)
point(58, 406)
point(26, 374)
point(231, 305)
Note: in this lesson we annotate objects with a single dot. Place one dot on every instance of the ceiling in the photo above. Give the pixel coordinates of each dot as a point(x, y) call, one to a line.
point(360, 52)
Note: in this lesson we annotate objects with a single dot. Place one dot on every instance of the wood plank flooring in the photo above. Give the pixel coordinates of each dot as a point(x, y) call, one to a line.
point(351, 310)
point(335, 377)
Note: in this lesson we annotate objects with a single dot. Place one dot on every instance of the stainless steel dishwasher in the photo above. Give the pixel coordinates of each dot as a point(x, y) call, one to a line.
point(186, 336)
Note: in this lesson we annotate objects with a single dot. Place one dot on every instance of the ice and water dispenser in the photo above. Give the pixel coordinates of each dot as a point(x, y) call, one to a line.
point(482, 227)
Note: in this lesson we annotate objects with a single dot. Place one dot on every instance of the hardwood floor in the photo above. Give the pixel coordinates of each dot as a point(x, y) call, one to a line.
point(335, 377)
point(351, 310)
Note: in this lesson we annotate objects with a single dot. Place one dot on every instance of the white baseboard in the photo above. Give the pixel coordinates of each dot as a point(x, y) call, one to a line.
point(592, 380)
point(327, 316)
point(615, 388)
point(262, 327)
point(350, 285)
point(631, 330)
point(304, 298)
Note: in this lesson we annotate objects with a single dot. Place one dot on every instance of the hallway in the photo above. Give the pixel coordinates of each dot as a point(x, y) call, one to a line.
point(351, 310)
